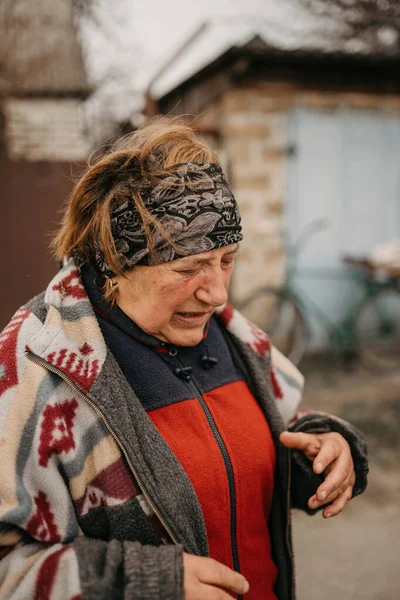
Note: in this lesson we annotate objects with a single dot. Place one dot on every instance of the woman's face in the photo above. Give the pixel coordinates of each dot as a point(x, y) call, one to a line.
point(174, 301)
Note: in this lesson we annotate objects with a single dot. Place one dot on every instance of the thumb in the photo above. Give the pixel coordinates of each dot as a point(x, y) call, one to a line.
point(298, 440)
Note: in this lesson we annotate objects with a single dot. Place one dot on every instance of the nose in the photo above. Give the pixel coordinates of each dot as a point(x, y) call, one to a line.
point(213, 289)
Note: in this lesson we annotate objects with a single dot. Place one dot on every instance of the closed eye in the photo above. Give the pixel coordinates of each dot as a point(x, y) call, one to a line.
point(189, 271)
point(228, 263)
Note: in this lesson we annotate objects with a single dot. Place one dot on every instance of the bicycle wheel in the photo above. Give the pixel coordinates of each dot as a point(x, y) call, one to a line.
point(282, 320)
point(377, 329)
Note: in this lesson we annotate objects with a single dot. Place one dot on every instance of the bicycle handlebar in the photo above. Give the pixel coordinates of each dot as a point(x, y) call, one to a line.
point(306, 234)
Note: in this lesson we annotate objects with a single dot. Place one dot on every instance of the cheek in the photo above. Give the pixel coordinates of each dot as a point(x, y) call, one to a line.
point(177, 295)
point(171, 297)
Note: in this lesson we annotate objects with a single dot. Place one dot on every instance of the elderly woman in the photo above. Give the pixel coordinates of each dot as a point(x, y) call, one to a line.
point(145, 451)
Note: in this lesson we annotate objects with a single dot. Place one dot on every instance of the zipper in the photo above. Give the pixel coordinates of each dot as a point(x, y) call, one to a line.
point(288, 522)
point(228, 468)
point(49, 367)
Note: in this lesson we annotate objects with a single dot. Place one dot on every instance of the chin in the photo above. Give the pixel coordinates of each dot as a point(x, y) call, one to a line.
point(187, 338)
point(190, 341)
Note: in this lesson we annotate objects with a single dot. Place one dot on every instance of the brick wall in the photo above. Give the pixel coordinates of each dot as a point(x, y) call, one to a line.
point(253, 123)
point(45, 129)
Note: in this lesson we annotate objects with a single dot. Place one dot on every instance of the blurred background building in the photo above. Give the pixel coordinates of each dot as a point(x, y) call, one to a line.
point(43, 87)
point(301, 98)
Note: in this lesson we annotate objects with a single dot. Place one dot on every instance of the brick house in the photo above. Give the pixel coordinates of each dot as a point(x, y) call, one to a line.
point(304, 135)
point(42, 138)
point(279, 118)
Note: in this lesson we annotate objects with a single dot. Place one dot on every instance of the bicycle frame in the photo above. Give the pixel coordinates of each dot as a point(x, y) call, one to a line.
point(342, 333)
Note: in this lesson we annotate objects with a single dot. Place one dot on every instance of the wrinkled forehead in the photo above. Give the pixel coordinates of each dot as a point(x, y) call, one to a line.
point(194, 259)
point(216, 253)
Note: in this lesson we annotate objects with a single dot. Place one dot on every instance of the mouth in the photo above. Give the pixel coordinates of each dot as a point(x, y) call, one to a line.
point(192, 318)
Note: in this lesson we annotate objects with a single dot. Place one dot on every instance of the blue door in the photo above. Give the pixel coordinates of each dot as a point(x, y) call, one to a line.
point(343, 166)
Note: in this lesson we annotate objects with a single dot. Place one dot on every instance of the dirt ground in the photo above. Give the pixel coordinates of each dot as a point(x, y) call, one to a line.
point(356, 555)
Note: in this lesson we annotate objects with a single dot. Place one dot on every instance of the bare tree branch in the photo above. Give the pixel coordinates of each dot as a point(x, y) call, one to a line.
point(374, 22)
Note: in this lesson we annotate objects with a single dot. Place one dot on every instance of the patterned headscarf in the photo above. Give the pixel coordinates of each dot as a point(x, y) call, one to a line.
point(194, 205)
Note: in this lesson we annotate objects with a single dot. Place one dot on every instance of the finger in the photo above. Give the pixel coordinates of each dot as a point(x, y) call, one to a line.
point(340, 475)
point(332, 446)
point(216, 573)
point(349, 481)
point(310, 442)
point(209, 591)
point(319, 500)
point(339, 504)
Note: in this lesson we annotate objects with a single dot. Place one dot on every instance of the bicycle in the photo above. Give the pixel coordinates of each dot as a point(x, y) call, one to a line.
point(370, 330)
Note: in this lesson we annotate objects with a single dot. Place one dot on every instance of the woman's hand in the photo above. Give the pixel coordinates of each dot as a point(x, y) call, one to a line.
point(330, 454)
point(208, 578)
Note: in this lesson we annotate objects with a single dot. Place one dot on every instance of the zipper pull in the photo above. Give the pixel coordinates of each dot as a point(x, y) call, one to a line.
point(208, 362)
point(183, 372)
